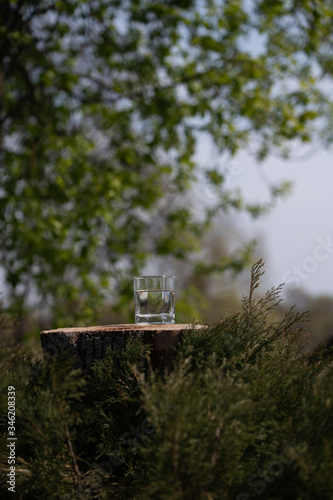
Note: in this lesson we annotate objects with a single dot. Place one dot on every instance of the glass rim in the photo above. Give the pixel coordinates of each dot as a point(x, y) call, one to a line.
point(155, 276)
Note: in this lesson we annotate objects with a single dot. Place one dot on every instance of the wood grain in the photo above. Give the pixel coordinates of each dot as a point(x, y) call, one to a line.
point(91, 343)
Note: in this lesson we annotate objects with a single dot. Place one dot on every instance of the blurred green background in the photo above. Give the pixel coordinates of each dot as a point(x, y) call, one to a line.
point(103, 107)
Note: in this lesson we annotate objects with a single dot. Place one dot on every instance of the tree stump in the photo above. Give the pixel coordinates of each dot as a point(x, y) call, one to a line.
point(88, 344)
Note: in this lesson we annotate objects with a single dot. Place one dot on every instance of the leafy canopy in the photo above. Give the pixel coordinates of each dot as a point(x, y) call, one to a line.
point(101, 108)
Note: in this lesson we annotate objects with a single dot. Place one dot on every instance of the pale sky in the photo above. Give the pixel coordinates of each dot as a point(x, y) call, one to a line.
point(297, 235)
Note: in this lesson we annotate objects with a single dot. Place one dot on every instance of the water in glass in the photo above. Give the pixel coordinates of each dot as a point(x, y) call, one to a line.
point(155, 306)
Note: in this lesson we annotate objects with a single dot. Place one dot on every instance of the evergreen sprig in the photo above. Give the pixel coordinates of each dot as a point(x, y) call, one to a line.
point(245, 413)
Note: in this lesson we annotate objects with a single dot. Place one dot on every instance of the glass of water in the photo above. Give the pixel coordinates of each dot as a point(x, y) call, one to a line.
point(154, 298)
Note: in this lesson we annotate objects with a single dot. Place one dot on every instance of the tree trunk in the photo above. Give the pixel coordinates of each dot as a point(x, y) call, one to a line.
point(88, 344)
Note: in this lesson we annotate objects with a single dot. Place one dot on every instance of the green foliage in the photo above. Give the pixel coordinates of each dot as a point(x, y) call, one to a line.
point(68, 426)
point(243, 413)
point(101, 108)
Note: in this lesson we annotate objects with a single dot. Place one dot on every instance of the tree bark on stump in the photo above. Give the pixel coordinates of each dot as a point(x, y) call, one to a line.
point(88, 344)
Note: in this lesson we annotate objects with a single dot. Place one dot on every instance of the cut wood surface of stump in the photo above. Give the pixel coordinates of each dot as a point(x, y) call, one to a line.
point(91, 343)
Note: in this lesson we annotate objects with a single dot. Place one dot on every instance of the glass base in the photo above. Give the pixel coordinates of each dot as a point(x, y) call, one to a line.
point(154, 319)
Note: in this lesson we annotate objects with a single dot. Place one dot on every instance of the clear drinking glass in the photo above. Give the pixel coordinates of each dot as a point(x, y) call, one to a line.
point(154, 298)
